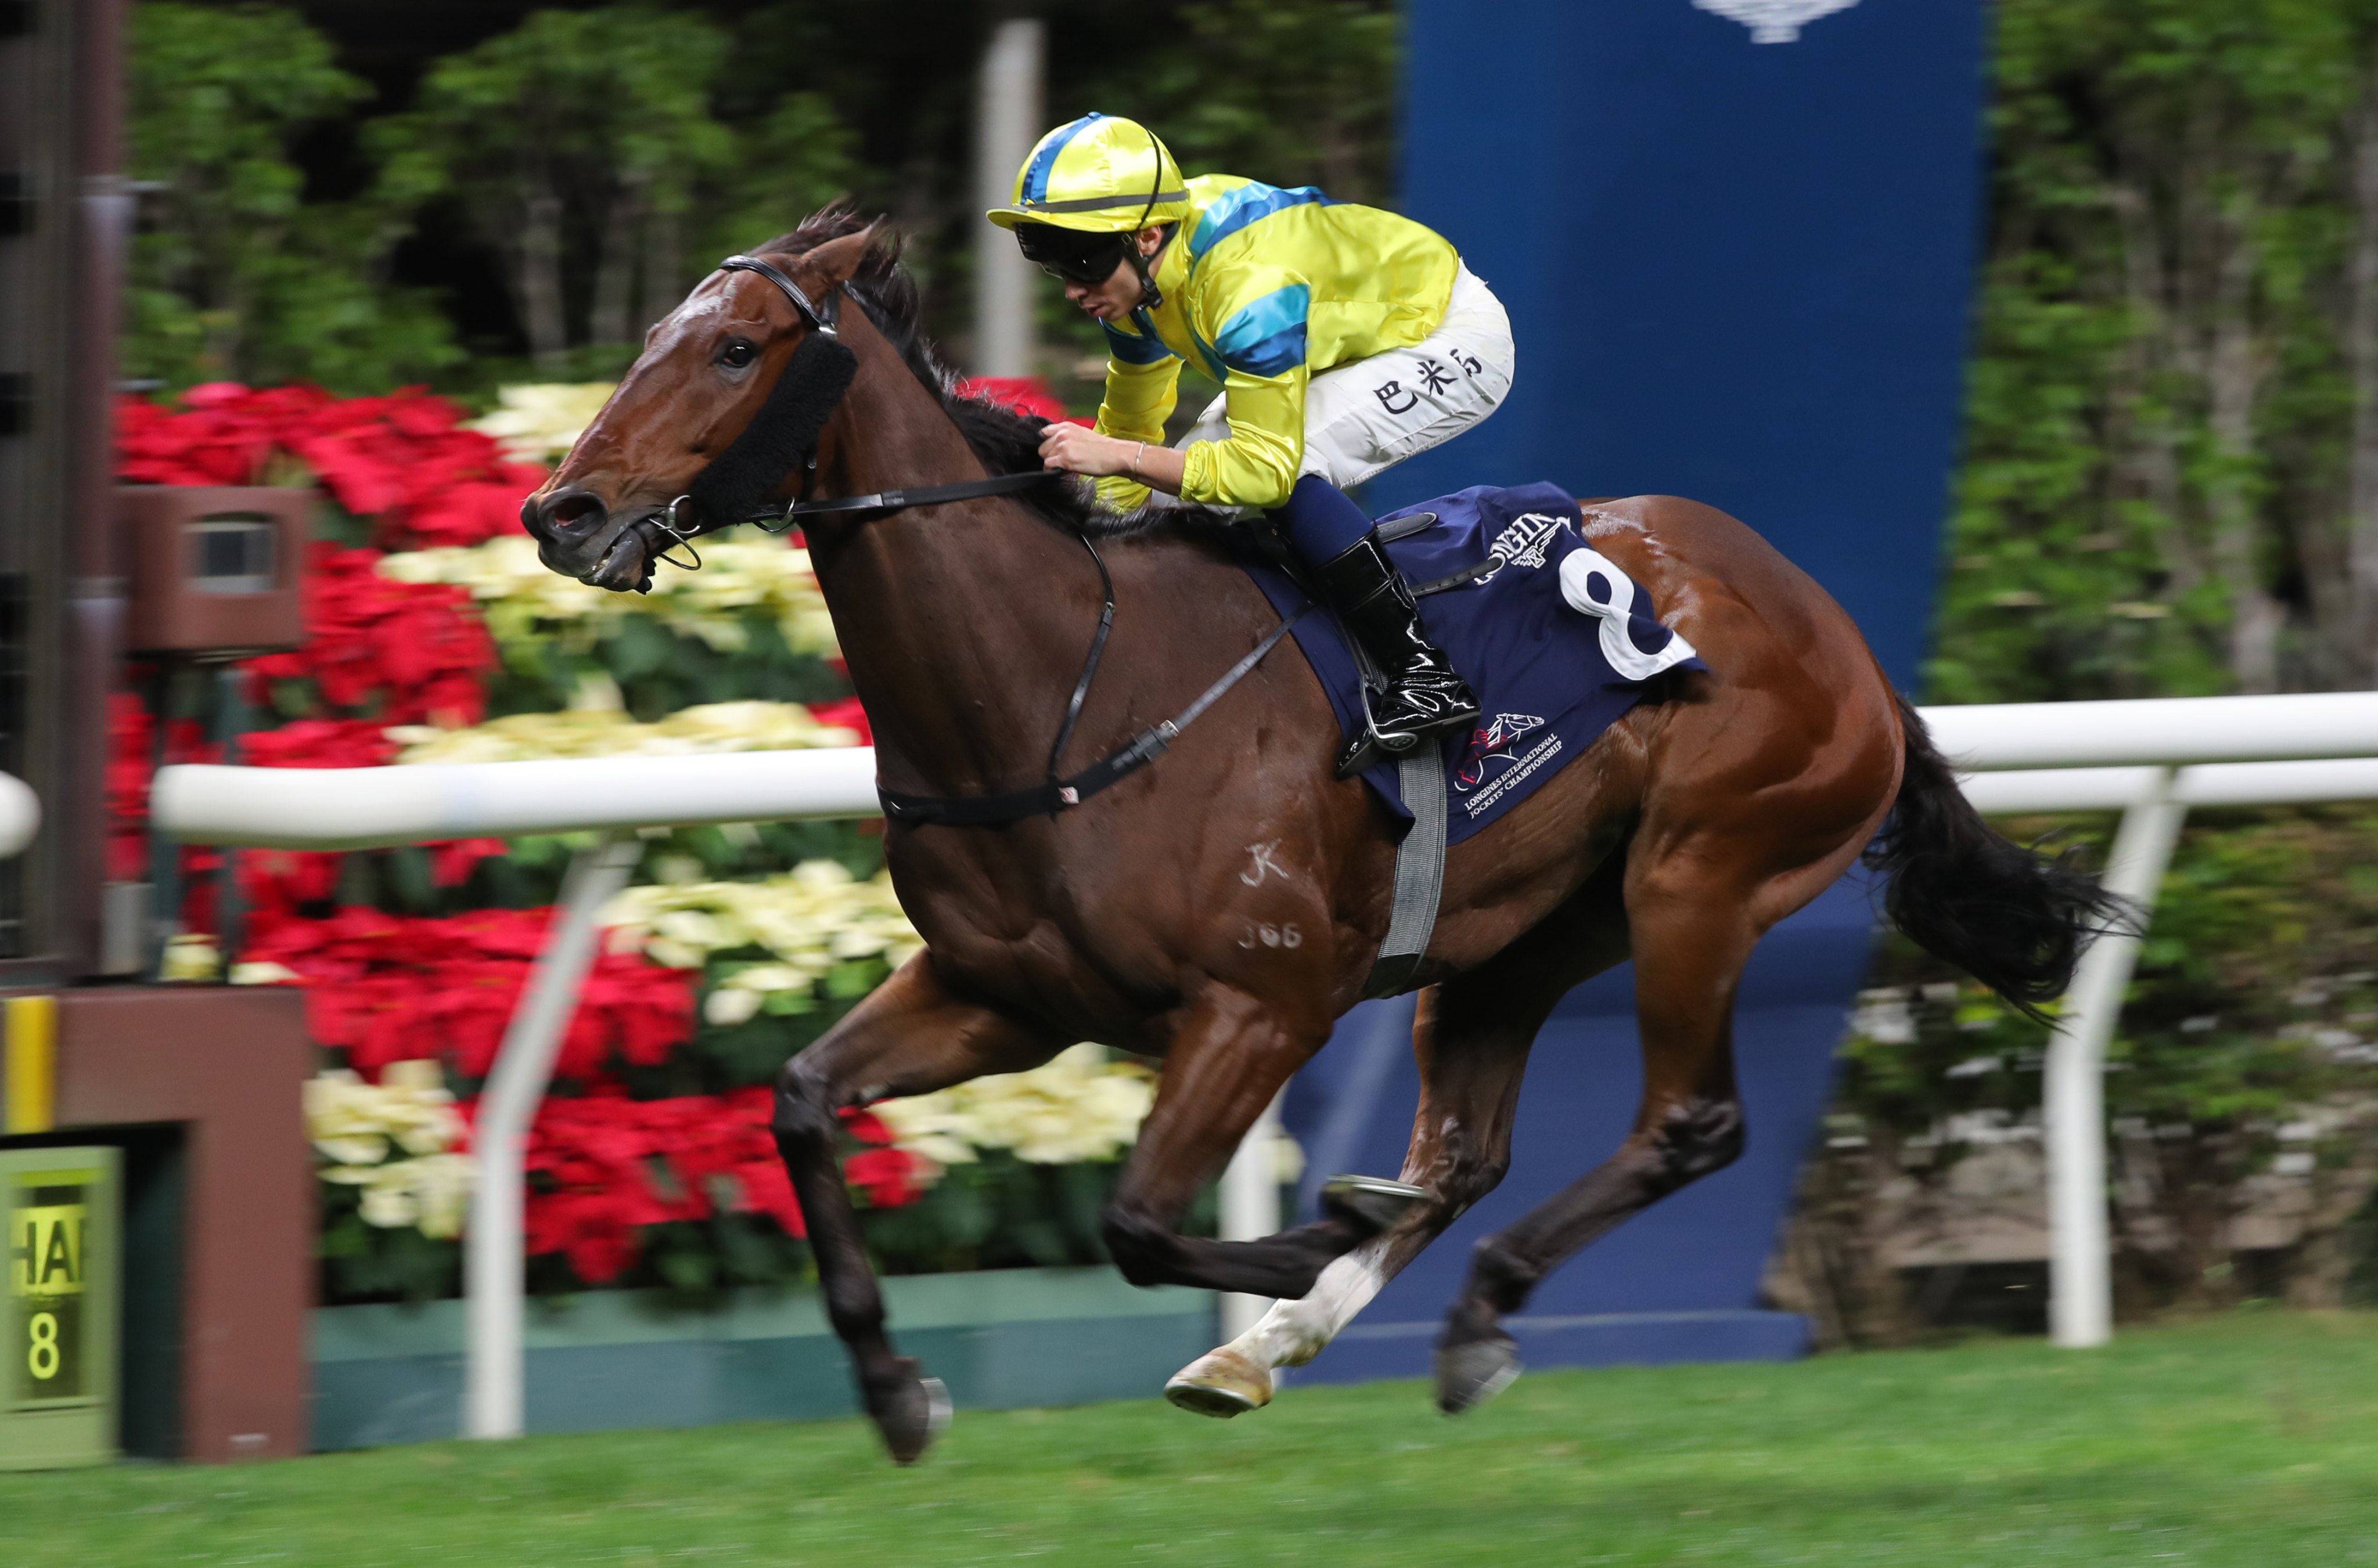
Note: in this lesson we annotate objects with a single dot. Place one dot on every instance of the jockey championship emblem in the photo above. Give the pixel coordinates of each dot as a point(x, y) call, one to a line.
point(1495, 762)
point(1773, 21)
point(1523, 543)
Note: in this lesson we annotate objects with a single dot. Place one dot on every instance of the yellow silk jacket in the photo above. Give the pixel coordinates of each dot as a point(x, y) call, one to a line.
point(1262, 288)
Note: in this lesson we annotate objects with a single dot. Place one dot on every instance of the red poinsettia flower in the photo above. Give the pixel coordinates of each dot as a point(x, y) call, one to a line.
point(844, 712)
point(1027, 395)
point(404, 459)
point(606, 1165)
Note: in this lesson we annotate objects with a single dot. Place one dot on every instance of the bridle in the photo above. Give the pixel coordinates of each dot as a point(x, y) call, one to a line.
point(784, 434)
point(826, 317)
point(787, 427)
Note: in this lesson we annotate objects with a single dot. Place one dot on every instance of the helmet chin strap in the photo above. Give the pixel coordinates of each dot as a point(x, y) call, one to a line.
point(1150, 296)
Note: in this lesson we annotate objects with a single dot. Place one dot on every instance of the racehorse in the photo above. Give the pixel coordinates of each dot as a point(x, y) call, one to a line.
point(1727, 799)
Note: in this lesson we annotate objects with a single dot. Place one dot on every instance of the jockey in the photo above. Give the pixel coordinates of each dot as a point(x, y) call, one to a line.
point(1346, 340)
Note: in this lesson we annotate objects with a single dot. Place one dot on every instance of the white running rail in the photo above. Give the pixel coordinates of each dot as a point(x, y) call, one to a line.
point(2333, 740)
point(2149, 759)
point(20, 815)
point(493, 1260)
point(368, 807)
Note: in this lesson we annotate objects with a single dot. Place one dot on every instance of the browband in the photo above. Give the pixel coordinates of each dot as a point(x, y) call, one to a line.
point(824, 320)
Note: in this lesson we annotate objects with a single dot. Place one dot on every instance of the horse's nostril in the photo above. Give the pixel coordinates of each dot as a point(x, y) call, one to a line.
point(571, 511)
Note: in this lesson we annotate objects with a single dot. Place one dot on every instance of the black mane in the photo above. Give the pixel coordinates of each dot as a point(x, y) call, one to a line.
point(1006, 441)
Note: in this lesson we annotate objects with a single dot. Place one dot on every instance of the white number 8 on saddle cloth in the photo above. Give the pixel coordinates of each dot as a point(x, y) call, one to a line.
point(1637, 646)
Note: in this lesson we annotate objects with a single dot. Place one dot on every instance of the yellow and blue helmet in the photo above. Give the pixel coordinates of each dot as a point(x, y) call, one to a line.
point(1100, 175)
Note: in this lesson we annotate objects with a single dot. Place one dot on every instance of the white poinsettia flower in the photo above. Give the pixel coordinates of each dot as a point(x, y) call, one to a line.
point(1075, 1108)
point(809, 919)
point(730, 1005)
point(697, 927)
point(390, 1207)
point(260, 972)
point(772, 977)
point(603, 730)
point(356, 1124)
point(441, 1186)
point(352, 1151)
point(674, 955)
point(422, 1076)
point(540, 422)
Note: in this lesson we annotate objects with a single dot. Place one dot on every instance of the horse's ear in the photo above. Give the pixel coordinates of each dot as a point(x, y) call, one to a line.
point(837, 261)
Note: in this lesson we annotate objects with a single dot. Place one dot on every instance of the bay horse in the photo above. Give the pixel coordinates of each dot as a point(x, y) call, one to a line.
point(1727, 799)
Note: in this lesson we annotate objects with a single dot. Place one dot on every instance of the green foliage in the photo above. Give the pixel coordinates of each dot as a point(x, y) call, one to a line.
point(369, 1263)
point(789, 162)
point(585, 146)
point(2246, 1037)
point(2257, 981)
point(2158, 495)
point(659, 671)
point(1287, 92)
point(234, 275)
point(576, 135)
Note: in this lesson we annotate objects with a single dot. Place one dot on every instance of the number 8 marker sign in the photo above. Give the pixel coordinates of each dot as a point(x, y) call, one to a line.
point(57, 1386)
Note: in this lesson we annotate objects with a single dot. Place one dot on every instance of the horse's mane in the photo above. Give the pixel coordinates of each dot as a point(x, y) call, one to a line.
point(1007, 442)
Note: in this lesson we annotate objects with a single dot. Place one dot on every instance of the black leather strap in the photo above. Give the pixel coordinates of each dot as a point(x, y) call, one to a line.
point(1059, 794)
point(1461, 579)
point(825, 317)
point(775, 520)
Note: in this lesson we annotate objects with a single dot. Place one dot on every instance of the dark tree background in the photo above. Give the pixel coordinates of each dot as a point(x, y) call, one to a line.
point(519, 189)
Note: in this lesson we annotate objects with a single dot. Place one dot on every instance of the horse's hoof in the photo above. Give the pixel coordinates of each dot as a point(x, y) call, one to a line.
point(1372, 1203)
point(1469, 1375)
point(910, 1414)
point(1220, 1383)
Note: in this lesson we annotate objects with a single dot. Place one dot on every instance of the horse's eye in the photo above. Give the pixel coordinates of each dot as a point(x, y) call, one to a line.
point(738, 354)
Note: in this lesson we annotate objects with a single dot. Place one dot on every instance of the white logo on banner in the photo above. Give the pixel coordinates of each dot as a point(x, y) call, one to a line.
point(1773, 21)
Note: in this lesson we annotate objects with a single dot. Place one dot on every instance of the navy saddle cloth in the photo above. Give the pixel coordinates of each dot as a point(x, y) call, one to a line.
point(1555, 639)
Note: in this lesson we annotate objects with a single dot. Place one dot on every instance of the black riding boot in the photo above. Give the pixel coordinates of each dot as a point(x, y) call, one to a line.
point(1424, 697)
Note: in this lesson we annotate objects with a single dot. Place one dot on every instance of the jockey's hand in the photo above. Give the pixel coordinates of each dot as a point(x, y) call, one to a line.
point(1074, 449)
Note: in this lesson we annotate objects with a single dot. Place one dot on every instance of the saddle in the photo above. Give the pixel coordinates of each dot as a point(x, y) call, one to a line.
point(1555, 636)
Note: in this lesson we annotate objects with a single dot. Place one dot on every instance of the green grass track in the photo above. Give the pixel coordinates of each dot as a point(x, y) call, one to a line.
point(2252, 1440)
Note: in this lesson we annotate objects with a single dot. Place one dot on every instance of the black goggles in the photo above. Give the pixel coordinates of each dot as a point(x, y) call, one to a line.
point(1070, 254)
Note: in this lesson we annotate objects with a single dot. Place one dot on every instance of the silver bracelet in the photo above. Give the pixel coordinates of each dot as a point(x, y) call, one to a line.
point(1135, 456)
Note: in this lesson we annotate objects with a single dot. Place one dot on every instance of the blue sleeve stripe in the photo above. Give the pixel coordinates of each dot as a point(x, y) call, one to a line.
point(1132, 349)
point(1275, 355)
point(1267, 337)
point(1235, 209)
point(1036, 178)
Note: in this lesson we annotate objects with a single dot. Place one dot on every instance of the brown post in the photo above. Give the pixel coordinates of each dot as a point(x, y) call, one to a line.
point(229, 1063)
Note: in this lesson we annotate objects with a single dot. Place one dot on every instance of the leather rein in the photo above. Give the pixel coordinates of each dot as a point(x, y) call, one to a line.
point(832, 371)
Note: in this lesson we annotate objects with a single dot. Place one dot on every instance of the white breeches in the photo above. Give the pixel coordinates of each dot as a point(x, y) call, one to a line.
point(1369, 415)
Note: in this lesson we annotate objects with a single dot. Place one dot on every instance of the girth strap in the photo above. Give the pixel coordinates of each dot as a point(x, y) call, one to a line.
point(1420, 874)
point(1042, 800)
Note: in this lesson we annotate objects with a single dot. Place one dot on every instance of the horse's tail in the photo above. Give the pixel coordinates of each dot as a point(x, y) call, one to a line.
point(2012, 920)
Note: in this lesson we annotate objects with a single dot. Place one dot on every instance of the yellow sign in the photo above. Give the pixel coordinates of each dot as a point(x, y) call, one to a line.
point(49, 1232)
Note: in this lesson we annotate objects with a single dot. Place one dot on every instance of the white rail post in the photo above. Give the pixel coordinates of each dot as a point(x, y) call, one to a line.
point(2081, 1296)
point(1250, 1201)
point(1007, 120)
point(493, 1262)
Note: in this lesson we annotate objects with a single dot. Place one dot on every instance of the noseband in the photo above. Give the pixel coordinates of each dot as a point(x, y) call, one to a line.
point(783, 436)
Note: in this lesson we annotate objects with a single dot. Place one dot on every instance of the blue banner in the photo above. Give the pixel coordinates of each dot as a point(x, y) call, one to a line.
point(1737, 240)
